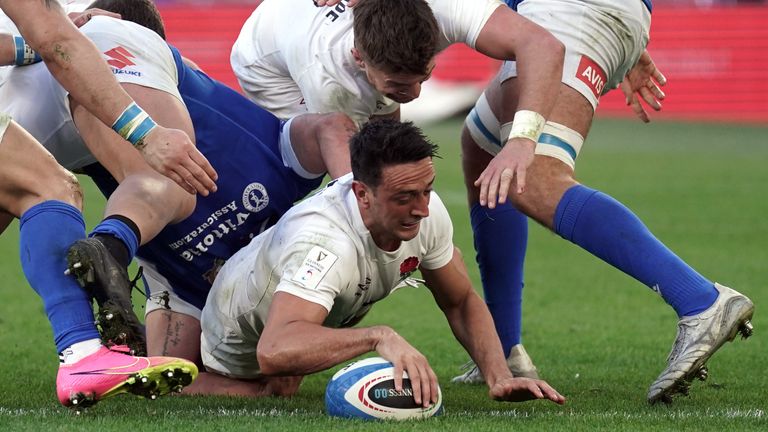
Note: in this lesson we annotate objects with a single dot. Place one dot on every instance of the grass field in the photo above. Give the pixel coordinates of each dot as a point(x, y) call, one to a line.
point(597, 335)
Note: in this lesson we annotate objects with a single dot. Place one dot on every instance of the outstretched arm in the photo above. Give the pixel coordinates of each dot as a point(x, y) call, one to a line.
point(294, 342)
point(473, 327)
point(78, 66)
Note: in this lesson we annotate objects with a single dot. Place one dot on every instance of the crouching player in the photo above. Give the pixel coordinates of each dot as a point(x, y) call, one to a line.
point(284, 306)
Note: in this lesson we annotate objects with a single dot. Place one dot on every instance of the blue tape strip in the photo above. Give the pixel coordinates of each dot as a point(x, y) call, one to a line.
point(18, 43)
point(546, 138)
point(126, 118)
point(141, 131)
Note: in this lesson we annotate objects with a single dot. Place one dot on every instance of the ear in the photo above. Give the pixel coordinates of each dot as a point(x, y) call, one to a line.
point(358, 58)
point(362, 193)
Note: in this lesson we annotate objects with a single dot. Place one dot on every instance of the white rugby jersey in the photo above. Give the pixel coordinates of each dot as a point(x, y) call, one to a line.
point(312, 46)
point(321, 252)
point(33, 97)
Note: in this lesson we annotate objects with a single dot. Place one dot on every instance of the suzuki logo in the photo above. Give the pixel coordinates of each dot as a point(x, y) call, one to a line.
point(119, 57)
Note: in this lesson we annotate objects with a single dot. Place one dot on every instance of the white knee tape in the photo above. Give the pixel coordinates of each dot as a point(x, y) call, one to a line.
point(560, 142)
point(483, 126)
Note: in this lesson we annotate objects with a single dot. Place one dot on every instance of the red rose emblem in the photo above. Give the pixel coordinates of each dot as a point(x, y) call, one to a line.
point(408, 266)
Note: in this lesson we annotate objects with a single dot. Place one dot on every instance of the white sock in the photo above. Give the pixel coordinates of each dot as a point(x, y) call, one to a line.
point(78, 351)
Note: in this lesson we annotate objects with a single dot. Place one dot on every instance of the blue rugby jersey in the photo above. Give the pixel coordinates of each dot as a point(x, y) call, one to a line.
point(241, 141)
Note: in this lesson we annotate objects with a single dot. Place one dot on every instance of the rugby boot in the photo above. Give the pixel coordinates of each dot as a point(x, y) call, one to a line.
point(698, 337)
point(99, 273)
point(112, 371)
point(519, 362)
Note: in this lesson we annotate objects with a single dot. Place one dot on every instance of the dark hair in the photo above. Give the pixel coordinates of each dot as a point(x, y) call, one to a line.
point(141, 12)
point(397, 36)
point(383, 143)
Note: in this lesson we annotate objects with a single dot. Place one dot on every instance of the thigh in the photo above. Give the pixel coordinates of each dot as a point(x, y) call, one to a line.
point(29, 174)
point(603, 39)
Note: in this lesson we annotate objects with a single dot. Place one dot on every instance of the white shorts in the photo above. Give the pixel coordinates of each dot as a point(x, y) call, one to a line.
point(603, 39)
point(161, 295)
point(224, 349)
point(600, 49)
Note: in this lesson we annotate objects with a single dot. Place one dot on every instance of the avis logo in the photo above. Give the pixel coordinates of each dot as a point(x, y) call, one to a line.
point(119, 57)
point(591, 74)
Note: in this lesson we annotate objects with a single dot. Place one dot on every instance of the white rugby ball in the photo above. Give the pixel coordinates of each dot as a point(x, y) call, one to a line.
point(366, 389)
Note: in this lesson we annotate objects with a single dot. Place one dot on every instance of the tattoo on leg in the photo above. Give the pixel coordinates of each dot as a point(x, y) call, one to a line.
point(172, 334)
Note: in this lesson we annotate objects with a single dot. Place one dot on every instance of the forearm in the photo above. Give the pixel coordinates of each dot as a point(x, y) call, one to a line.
point(71, 58)
point(473, 327)
point(539, 73)
point(302, 348)
point(7, 50)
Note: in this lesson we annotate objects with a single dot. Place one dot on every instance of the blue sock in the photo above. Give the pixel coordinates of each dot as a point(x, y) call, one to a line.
point(501, 238)
point(47, 230)
point(117, 226)
point(609, 230)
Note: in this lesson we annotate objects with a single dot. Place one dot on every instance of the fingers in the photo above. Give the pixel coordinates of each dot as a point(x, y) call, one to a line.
point(398, 371)
point(192, 175)
point(203, 171)
point(494, 185)
point(423, 382)
point(550, 393)
point(80, 18)
point(179, 181)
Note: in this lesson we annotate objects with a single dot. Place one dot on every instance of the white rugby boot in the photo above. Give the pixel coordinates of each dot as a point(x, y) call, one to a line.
point(698, 337)
point(519, 362)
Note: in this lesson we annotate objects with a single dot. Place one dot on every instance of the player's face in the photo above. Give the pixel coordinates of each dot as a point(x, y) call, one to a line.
point(397, 206)
point(400, 87)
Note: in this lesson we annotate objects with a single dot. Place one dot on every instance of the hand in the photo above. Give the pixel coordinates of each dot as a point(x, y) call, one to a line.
point(509, 165)
point(321, 3)
point(524, 389)
point(403, 356)
point(644, 78)
point(171, 153)
point(80, 18)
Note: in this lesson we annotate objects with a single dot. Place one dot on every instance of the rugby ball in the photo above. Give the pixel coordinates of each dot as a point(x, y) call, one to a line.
point(366, 389)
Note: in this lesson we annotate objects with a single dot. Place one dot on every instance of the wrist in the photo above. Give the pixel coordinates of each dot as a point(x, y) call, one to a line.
point(376, 335)
point(25, 55)
point(526, 124)
point(134, 124)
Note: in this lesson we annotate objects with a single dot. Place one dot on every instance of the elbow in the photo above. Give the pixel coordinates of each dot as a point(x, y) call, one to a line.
point(271, 359)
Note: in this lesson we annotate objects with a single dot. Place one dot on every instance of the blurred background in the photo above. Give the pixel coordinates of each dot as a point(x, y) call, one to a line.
point(714, 54)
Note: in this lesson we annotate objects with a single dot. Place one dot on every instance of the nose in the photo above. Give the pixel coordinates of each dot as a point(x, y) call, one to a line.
point(421, 206)
point(414, 91)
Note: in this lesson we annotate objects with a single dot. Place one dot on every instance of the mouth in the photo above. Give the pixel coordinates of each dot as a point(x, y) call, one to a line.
point(411, 225)
point(400, 97)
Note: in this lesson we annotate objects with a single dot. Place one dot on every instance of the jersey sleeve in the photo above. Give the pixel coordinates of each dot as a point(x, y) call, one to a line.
point(462, 20)
point(438, 232)
point(135, 54)
point(318, 273)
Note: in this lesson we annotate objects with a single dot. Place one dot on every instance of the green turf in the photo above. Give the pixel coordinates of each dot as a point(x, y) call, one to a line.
point(596, 335)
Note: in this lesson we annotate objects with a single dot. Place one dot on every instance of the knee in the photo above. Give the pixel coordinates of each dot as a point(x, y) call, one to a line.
point(64, 186)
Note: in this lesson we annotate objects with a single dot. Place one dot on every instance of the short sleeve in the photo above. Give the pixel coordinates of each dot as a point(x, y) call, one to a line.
point(462, 20)
point(318, 272)
point(438, 232)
